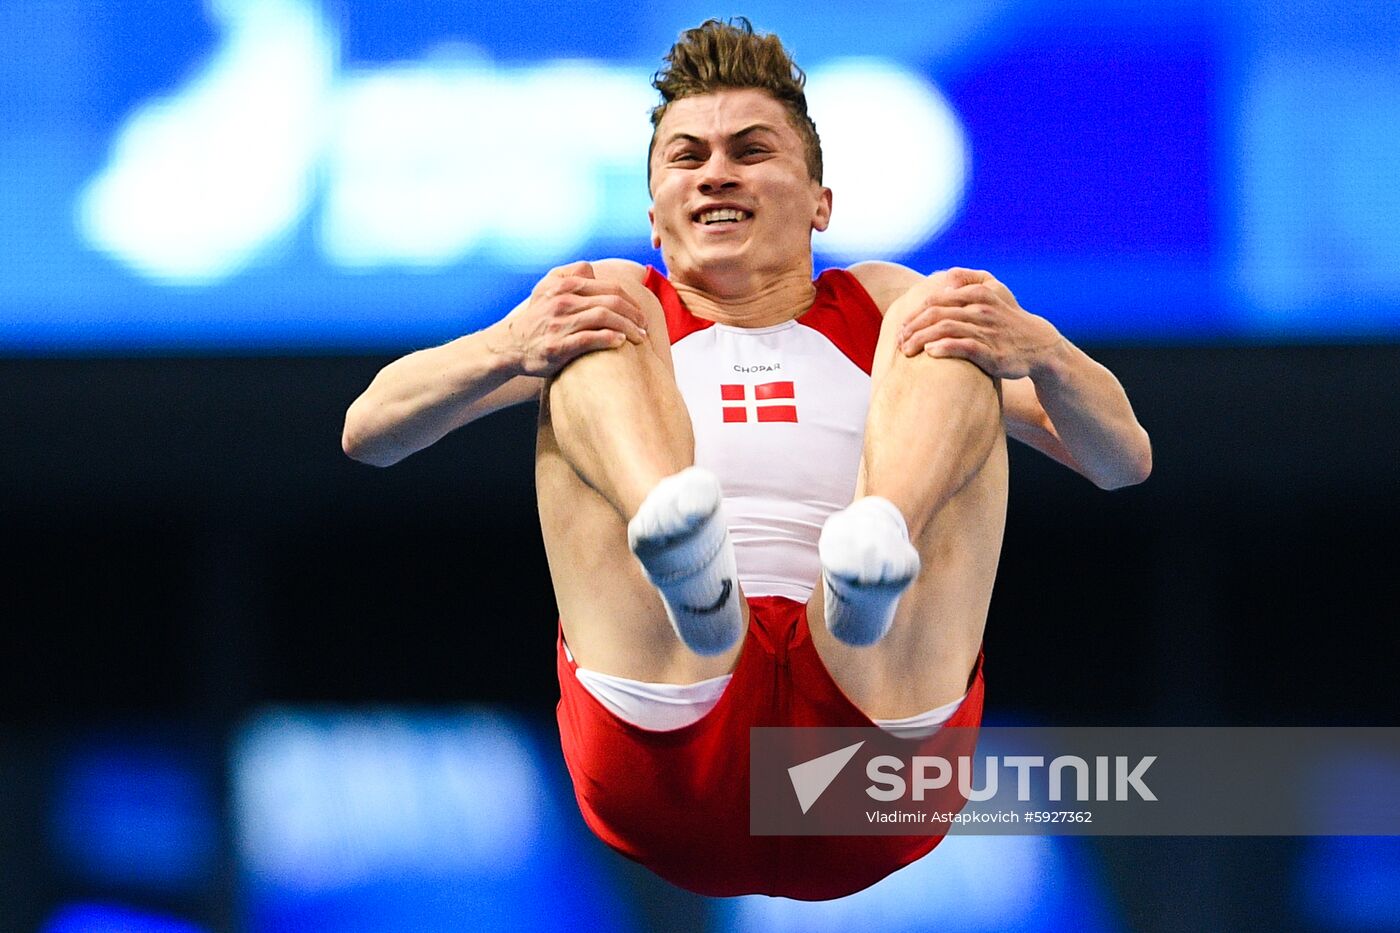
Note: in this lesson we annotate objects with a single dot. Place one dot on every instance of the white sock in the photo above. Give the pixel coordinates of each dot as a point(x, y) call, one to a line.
point(679, 535)
point(867, 563)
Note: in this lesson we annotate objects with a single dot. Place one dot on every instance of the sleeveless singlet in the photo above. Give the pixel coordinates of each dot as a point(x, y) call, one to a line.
point(779, 416)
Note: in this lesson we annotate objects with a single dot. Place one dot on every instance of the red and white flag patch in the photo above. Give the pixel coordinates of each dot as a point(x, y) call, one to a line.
point(772, 401)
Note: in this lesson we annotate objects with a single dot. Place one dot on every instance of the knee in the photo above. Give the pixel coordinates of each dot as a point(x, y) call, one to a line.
point(609, 369)
point(932, 313)
point(901, 311)
point(953, 378)
point(964, 376)
point(970, 398)
point(979, 393)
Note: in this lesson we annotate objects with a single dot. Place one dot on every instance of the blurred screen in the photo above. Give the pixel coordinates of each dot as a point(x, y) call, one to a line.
point(317, 175)
point(400, 820)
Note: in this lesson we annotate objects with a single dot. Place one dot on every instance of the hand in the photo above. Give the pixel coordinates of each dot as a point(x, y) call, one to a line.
point(569, 313)
point(967, 314)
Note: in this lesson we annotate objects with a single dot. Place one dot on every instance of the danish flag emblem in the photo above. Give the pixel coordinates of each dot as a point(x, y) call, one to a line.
point(772, 401)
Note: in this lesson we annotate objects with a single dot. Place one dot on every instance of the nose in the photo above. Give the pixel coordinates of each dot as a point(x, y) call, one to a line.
point(717, 174)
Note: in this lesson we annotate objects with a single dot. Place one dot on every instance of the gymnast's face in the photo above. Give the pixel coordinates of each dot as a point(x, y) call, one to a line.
point(730, 187)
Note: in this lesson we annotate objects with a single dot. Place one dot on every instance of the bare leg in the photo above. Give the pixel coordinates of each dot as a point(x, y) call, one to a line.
point(935, 448)
point(612, 425)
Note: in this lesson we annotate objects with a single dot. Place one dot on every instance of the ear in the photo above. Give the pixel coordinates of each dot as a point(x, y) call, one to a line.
point(821, 219)
point(651, 219)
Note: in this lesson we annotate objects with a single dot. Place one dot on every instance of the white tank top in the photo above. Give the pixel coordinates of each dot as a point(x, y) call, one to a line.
point(779, 416)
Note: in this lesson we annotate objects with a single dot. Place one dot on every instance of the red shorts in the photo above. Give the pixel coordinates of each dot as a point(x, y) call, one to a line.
point(678, 801)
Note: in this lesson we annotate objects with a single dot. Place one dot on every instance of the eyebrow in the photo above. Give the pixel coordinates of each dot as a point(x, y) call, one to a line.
point(686, 137)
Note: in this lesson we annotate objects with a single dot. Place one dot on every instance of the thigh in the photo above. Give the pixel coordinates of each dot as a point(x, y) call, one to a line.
point(927, 656)
point(612, 616)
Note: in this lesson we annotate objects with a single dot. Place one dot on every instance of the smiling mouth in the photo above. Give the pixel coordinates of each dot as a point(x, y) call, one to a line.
point(724, 215)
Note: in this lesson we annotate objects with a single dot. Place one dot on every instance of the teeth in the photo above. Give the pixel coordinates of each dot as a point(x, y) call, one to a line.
point(710, 217)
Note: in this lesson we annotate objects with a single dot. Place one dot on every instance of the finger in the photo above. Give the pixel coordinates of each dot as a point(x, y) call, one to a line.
point(999, 287)
point(958, 276)
point(560, 280)
point(963, 348)
point(606, 317)
point(577, 285)
point(624, 315)
point(602, 287)
point(611, 293)
point(580, 269)
point(983, 288)
point(611, 297)
point(588, 341)
point(976, 293)
point(931, 315)
point(938, 330)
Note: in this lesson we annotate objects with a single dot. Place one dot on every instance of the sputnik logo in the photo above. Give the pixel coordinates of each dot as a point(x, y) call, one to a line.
point(811, 778)
point(772, 401)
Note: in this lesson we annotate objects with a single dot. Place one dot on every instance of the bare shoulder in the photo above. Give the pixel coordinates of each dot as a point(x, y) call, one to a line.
point(884, 281)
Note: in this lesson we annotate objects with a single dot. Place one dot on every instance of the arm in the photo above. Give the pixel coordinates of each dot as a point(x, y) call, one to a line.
point(1075, 411)
point(418, 399)
point(1055, 398)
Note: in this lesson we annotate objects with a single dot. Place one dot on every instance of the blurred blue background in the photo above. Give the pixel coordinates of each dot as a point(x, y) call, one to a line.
point(317, 175)
point(246, 691)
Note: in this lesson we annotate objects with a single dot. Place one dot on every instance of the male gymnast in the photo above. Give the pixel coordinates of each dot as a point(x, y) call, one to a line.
point(716, 441)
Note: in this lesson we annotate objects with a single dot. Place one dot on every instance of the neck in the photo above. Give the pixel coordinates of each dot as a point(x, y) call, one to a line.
point(748, 299)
